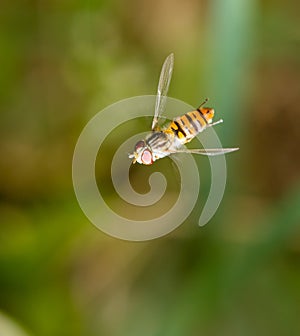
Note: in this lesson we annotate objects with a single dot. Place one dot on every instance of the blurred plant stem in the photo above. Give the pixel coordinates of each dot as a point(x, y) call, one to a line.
point(230, 44)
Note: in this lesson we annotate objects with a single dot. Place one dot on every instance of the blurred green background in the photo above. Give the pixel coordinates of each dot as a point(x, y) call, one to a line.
point(61, 63)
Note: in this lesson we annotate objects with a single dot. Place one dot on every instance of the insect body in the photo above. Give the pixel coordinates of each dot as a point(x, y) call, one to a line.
point(172, 138)
point(190, 124)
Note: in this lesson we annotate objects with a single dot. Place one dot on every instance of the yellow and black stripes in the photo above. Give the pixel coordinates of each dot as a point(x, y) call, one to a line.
point(177, 129)
point(186, 127)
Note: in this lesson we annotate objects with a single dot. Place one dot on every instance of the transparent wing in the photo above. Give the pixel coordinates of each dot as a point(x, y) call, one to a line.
point(162, 90)
point(202, 151)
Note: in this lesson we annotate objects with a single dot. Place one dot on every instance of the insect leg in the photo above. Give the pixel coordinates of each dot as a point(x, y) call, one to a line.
point(204, 102)
point(215, 123)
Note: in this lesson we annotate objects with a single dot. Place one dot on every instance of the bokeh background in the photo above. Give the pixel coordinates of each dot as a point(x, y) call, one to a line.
point(61, 63)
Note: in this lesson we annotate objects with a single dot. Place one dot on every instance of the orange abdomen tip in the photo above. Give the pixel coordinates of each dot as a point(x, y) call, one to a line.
point(208, 113)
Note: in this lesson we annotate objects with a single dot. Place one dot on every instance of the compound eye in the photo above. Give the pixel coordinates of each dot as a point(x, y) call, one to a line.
point(139, 145)
point(147, 157)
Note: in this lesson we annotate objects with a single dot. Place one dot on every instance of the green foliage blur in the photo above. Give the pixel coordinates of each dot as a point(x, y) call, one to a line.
point(62, 62)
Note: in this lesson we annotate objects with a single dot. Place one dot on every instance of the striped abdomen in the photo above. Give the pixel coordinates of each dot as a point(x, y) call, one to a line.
point(186, 127)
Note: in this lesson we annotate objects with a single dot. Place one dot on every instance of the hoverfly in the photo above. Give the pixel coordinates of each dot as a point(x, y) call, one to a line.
point(172, 138)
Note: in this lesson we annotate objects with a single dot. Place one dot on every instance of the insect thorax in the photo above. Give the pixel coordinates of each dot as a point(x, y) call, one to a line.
point(158, 141)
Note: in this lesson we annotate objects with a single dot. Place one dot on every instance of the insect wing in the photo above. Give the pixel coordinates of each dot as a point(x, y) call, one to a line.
point(207, 152)
point(162, 90)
